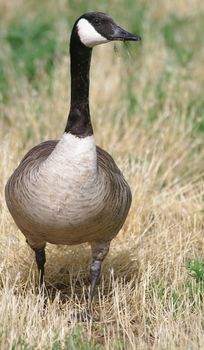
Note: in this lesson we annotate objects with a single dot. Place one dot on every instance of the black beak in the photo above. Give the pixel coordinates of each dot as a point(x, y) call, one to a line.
point(121, 34)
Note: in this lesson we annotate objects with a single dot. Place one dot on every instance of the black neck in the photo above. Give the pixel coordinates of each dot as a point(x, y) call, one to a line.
point(79, 122)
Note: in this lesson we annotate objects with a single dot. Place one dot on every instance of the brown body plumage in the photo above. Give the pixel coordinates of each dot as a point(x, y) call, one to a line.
point(30, 203)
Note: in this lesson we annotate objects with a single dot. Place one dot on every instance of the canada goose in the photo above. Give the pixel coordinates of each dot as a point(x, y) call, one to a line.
point(70, 191)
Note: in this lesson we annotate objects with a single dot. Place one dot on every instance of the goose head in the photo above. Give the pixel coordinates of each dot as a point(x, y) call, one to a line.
point(94, 28)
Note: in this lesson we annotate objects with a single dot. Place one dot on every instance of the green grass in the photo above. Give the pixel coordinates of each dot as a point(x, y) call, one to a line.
point(77, 340)
point(3, 83)
point(33, 46)
point(21, 344)
point(175, 33)
point(196, 269)
point(192, 289)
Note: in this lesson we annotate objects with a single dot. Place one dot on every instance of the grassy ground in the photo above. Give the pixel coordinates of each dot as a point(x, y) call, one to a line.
point(147, 108)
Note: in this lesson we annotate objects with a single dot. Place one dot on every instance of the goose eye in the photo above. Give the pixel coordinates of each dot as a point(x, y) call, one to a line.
point(97, 21)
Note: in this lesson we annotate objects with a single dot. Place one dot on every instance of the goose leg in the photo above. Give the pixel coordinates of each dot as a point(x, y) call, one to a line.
point(40, 260)
point(99, 252)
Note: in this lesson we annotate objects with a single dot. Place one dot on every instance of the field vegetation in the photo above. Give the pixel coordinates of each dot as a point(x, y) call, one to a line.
point(147, 107)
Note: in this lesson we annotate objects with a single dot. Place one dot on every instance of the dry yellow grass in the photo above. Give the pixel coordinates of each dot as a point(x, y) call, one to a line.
point(146, 299)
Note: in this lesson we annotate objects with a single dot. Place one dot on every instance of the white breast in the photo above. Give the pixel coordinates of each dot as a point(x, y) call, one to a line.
point(72, 156)
point(67, 181)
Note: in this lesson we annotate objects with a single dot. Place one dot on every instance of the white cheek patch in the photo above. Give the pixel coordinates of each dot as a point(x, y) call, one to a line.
point(88, 35)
